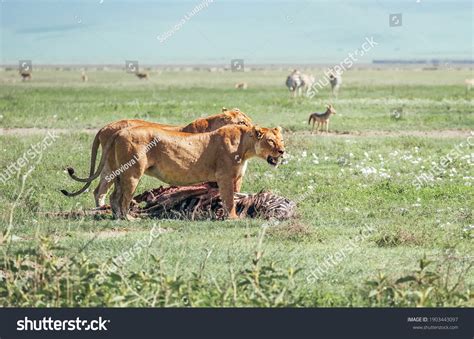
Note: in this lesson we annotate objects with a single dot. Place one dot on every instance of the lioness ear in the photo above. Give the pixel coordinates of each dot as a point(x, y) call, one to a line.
point(224, 109)
point(277, 129)
point(258, 132)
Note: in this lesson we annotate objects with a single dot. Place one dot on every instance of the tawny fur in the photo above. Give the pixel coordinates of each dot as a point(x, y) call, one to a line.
point(180, 158)
point(241, 85)
point(183, 159)
point(211, 123)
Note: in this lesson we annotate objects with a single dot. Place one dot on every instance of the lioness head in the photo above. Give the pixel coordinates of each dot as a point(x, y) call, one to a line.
point(235, 117)
point(269, 145)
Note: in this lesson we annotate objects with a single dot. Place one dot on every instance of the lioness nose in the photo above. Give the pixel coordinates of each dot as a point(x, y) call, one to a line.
point(281, 151)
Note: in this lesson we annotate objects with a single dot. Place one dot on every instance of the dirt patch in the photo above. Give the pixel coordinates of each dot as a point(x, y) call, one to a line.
point(447, 133)
point(110, 234)
point(42, 131)
point(293, 230)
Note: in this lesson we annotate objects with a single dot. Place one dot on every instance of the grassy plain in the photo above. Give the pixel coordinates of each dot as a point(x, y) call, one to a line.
point(360, 175)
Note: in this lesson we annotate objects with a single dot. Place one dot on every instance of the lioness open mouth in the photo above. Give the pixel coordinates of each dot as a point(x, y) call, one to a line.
point(272, 160)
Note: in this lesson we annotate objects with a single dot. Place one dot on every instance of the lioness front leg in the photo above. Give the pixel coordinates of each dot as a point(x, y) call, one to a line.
point(226, 191)
point(115, 199)
point(128, 189)
point(238, 184)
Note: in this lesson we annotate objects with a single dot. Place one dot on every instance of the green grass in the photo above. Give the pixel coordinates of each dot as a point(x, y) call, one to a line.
point(342, 184)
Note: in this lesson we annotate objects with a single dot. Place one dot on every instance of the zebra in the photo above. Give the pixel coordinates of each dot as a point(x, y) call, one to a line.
point(298, 82)
point(336, 81)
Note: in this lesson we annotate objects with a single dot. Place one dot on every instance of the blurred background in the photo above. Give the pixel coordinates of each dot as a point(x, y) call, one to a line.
point(214, 32)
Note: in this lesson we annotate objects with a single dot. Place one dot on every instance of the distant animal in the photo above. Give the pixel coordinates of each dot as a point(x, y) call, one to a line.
point(241, 85)
point(142, 75)
point(336, 81)
point(321, 118)
point(299, 83)
point(25, 75)
point(84, 76)
point(469, 83)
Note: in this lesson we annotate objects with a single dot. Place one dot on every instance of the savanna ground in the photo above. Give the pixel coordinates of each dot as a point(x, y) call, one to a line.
point(359, 175)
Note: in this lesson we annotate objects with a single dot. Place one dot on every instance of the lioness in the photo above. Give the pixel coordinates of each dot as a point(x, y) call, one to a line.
point(179, 158)
point(211, 123)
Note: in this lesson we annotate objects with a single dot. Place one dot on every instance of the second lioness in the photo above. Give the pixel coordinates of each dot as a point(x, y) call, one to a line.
point(211, 123)
point(182, 159)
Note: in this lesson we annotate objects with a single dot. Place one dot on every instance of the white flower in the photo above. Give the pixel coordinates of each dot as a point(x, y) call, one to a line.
point(368, 171)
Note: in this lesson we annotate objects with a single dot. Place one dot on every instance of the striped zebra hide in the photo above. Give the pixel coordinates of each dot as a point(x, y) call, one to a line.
point(202, 202)
point(196, 202)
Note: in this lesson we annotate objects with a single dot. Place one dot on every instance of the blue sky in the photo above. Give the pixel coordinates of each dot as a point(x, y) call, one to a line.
point(107, 31)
